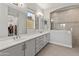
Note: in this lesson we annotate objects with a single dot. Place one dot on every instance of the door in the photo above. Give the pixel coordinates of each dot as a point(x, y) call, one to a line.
point(30, 48)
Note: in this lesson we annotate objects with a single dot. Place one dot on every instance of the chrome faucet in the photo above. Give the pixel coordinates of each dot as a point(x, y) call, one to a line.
point(16, 37)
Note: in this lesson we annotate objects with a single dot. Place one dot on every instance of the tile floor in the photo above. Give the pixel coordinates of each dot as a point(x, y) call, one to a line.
point(55, 50)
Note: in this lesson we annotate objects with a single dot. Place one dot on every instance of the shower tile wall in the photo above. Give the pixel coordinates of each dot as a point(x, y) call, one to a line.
point(71, 20)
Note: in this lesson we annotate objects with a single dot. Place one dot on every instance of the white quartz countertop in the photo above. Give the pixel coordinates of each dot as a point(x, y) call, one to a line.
point(6, 43)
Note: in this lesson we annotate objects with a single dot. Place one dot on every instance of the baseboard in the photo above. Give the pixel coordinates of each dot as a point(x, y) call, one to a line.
point(61, 44)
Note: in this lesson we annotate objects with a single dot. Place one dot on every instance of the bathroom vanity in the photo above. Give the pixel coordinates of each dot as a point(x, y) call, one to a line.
point(26, 45)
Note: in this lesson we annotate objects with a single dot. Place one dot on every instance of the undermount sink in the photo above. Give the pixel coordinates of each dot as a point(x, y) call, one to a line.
point(41, 32)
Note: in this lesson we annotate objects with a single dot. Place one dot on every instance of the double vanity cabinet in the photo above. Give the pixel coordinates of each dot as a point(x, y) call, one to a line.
point(28, 47)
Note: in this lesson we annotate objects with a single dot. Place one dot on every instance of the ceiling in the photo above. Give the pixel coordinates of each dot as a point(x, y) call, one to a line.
point(54, 5)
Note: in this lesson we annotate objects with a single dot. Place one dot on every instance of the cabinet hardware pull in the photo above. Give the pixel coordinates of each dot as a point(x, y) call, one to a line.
point(23, 47)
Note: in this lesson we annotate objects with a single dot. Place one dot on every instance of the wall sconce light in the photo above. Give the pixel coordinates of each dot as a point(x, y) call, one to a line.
point(20, 4)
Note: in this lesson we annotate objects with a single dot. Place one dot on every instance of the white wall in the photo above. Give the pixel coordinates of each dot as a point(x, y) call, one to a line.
point(55, 6)
point(3, 20)
point(33, 7)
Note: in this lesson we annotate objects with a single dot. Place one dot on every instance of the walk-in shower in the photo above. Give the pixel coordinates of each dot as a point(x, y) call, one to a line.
point(66, 18)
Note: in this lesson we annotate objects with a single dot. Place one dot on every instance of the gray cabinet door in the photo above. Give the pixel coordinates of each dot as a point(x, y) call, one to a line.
point(39, 43)
point(30, 48)
point(13, 51)
point(48, 37)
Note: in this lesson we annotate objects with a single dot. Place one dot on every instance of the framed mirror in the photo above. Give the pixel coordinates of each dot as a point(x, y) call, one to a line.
point(12, 21)
point(12, 25)
point(30, 23)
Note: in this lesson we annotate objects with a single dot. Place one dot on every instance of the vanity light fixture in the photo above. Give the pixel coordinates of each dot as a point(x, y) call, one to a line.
point(39, 14)
point(21, 4)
